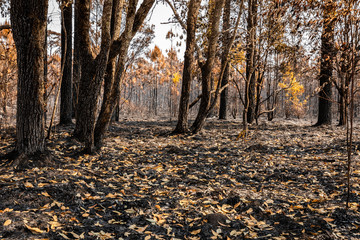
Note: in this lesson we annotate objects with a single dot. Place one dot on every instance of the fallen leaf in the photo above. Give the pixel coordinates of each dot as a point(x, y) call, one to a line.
point(28, 185)
point(328, 219)
point(63, 235)
point(7, 223)
point(45, 194)
point(34, 230)
point(74, 234)
point(54, 224)
point(196, 232)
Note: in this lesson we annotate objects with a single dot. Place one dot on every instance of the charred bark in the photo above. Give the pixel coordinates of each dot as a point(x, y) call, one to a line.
point(224, 61)
point(29, 21)
point(93, 71)
point(250, 86)
point(66, 103)
point(206, 68)
point(134, 20)
point(182, 124)
point(326, 65)
point(76, 63)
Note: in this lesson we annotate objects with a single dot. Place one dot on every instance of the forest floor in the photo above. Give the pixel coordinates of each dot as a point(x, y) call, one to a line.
point(285, 181)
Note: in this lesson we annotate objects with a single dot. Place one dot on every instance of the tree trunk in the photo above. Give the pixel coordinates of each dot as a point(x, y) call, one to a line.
point(66, 62)
point(224, 61)
point(45, 72)
point(342, 109)
point(76, 63)
point(250, 86)
point(206, 68)
point(29, 20)
point(93, 71)
point(110, 72)
point(326, 66)
point(134, 20)
point(270, 114)
point(189, 61)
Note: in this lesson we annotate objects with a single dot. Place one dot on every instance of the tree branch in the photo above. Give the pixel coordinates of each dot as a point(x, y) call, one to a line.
point(5, 26)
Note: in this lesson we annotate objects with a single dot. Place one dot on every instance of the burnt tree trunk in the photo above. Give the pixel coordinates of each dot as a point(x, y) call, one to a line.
point(182, 124)
point(76, 63)
point(134, 20)
point(342, 108)
point(29, 21)
point(109, 78)
point(224, 61)
point(250, 86)
point(326, 65)
point(93, 71)
point(66, 103)
point(206, 68)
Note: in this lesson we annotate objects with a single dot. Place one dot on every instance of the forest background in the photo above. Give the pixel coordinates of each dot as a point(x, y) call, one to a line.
point(287, 65)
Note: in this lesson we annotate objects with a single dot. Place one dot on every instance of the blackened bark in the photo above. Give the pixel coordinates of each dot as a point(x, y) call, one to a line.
point(76, 62)
point(342, 108)
point(66, 103)
point(326, 65)
point(345, 73)
point(29, 20)
point(134, 20)
point(93, 71)
point(45, 72)
point(206, 68)
point(250, 86)
point(182, 124)
point(224, 60)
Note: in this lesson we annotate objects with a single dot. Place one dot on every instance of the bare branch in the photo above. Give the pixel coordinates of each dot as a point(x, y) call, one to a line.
point(6, 26)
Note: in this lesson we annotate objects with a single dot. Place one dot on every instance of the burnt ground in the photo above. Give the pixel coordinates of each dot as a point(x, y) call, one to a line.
point(285, 181)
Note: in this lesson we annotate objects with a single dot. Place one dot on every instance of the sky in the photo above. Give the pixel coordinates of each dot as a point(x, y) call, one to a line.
point(160, 14)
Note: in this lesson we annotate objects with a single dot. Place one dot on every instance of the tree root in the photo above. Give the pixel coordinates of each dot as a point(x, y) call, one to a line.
point(22, 161)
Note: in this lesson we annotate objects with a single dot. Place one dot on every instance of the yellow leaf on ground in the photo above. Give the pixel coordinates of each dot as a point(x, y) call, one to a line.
point(45, 194)
point(7, 223)
point(54, 224)
point(74, 234)
point(328, 219)
point(28, 185)
point(63, 235)
point(34, 230)
point(110, 195)
point(195, 232)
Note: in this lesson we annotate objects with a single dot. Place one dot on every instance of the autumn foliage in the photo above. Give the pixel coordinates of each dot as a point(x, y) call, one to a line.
point(8, 74)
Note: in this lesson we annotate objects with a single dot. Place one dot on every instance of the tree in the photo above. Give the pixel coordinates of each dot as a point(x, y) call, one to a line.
point(346, 41)
point(249, 109)
point(76, 62)
point(66, 63)
point(207, 65)
point(94, 67)
point(326, 64)
point(189, 61)
point(224, 60)
point(93, 70)
point(29, 21)
point(134, 21)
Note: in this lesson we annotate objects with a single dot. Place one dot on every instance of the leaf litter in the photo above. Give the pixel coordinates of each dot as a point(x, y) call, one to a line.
point(285, 181)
